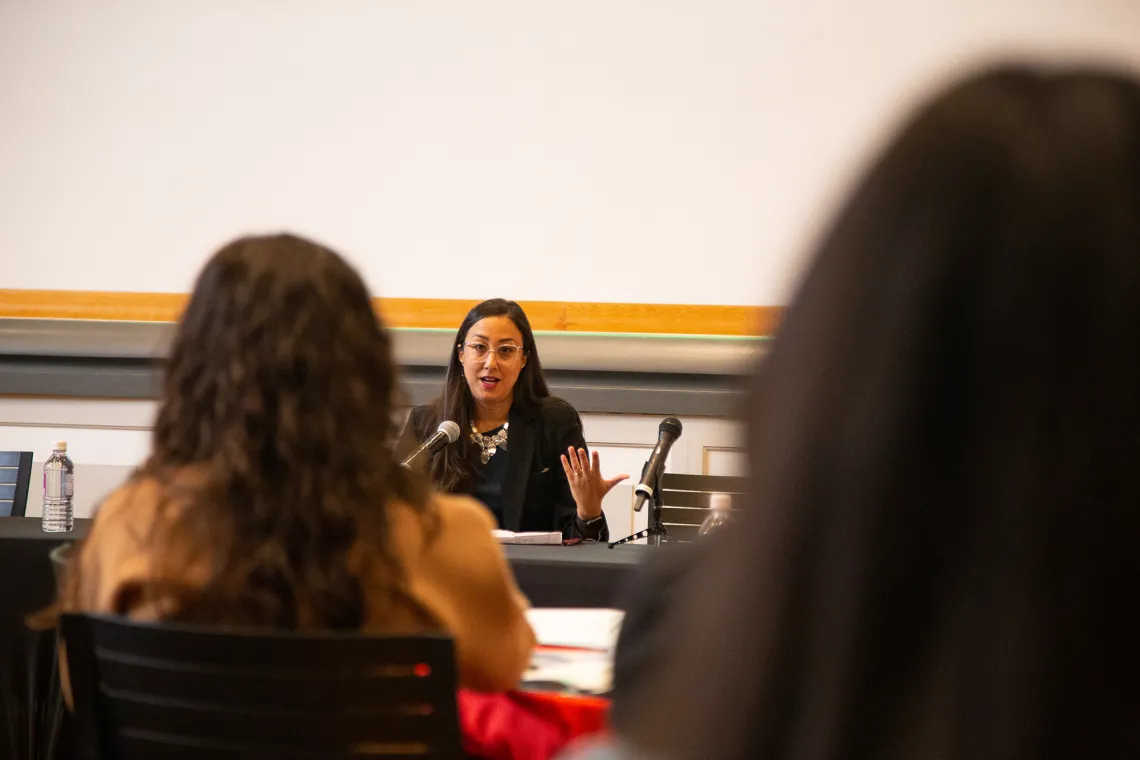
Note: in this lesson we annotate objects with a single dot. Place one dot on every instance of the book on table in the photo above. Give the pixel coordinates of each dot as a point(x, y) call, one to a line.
point(530, 537)
point(575, 650)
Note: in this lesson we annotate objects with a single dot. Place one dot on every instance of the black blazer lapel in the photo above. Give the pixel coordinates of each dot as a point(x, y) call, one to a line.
point(520, 448)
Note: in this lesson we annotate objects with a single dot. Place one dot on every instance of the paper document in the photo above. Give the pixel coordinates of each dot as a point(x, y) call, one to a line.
point(581, 671)
point(510, 537)
point(595, 629)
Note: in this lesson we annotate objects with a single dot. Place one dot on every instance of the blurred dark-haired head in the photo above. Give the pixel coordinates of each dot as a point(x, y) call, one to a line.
point(945, 528)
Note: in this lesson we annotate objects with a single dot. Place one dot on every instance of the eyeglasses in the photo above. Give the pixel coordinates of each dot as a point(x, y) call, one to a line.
point(505, 354)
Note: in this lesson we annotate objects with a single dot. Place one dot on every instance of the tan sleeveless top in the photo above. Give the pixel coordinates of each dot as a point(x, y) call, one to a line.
point(456, 574)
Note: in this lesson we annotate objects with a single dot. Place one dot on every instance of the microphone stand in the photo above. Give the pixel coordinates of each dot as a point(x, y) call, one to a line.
point(656, 532)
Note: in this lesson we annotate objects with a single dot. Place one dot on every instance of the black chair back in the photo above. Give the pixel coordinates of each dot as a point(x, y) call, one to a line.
point(15, 476)
point(685, 501)
point(175, 692)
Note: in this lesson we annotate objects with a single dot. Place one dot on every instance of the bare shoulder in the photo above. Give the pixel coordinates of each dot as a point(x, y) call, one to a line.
point(141, 505)
point(118, 537)
point(446, 522)
point(462, 514)
point(135, 498)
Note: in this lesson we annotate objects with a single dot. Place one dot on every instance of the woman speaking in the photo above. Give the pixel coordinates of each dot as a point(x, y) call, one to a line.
point(521, 450)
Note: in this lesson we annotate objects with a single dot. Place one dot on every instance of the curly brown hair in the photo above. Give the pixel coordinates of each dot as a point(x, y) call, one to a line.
point(279, 398)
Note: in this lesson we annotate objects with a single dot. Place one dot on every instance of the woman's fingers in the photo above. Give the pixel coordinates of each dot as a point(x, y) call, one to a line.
point(572, 453)
point(611, 482)
point(580, 463)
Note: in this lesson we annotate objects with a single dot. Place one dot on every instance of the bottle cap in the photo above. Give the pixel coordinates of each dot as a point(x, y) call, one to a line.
point(59, 446)
point(720, 502)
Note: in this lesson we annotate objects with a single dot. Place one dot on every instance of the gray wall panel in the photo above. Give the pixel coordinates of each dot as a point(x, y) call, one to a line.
point(620, 374)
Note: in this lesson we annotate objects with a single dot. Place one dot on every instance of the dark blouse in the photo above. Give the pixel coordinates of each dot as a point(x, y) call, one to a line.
point(533, 493)
point(491, 476)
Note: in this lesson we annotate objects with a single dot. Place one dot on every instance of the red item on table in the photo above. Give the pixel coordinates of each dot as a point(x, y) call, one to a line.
point(527, 725)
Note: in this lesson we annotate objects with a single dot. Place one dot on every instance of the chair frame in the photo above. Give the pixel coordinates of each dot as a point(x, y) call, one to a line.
point(22, 462)
point(683, 493)
point(115, 664)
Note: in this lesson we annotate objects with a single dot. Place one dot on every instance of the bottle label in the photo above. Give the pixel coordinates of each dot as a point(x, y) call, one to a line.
point(59, 485)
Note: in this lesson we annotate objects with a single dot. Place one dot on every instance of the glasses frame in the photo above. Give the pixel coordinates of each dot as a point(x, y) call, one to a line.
point(515, 355)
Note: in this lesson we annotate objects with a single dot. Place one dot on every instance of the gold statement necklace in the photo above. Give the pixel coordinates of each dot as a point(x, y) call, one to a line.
point(490, 443)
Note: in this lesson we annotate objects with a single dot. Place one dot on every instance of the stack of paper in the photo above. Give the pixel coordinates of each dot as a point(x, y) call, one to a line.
point(510, 537)
point(576, 628)
point(575, 650)
point(569, 671)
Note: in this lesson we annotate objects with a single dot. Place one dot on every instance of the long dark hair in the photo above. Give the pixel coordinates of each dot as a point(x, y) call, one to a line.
point(272, 443)
point(453, 468)
point(945, 522)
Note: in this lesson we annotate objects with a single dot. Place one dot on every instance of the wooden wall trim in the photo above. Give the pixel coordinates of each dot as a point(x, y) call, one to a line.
point(551, 316)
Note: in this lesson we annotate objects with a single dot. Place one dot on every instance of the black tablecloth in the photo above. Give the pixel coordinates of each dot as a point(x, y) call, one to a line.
point(29, 700)
point(588, 575)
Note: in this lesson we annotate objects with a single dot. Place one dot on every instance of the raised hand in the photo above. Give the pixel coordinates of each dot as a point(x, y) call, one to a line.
point(586, 482)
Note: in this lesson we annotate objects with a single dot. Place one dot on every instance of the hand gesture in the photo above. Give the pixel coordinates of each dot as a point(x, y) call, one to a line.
point(586, 482)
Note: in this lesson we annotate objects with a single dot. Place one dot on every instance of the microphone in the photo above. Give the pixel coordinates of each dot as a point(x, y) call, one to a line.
point(667, 434)
point(447, 432)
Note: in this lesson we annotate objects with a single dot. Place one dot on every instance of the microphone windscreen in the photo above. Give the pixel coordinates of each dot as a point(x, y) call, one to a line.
point(450, 429)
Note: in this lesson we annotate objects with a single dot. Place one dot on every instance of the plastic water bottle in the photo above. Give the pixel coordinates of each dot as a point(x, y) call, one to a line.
point(59, 489)
point(720, 504)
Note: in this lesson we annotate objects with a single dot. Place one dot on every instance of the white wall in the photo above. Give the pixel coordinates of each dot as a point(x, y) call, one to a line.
point(538, 149)
point(108, 439)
